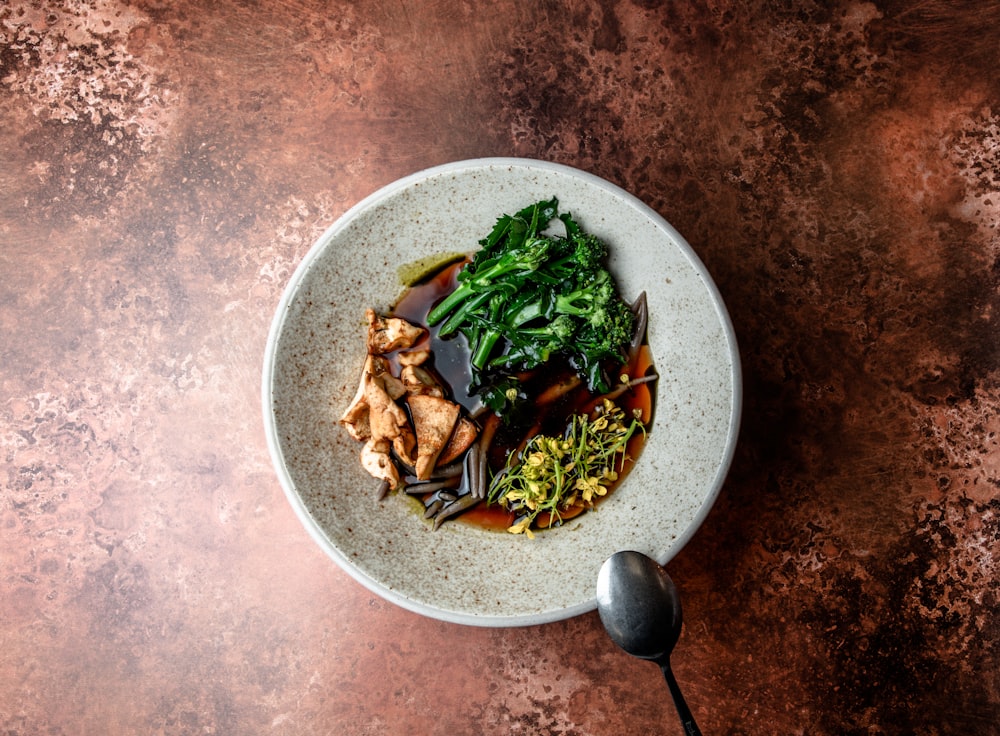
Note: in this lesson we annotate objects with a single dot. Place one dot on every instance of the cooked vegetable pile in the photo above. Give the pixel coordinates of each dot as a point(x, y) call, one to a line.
point(545, 327)
point(527, 295)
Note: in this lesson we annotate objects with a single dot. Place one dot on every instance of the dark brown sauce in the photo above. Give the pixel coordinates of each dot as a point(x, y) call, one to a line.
point(450, 361)
point(450, 358)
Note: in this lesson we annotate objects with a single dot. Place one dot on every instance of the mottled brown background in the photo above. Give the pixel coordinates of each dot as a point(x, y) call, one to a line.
point(165, 165)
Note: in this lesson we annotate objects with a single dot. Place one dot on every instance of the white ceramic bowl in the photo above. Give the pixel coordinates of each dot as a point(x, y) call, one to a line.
point(462, 573)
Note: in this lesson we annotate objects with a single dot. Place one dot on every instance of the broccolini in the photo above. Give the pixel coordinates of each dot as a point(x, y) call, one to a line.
point(529, 295)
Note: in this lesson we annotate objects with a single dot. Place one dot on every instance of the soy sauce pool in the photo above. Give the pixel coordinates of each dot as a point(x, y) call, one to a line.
point(450, 357)
point(555, 391)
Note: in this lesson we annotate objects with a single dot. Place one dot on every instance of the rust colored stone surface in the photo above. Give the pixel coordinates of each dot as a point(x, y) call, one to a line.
point(165, 166)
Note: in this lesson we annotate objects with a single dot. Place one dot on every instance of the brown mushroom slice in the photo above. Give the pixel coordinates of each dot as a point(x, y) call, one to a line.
point(356, 422)
point(414, 357)
point(433, 421)
point(355, 417)
point(418, 380)
point(461, 439)
point(378, 366)
point(393, 386)
point(388, 420)
point(381, 370)
point(376, 461)
point(386, 334)
point(405, 446)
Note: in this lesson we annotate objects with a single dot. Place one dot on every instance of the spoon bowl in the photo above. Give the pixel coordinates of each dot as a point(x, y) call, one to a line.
point(639, 605)
point(641, 610)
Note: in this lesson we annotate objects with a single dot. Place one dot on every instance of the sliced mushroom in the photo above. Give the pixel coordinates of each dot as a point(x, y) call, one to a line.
point(393, 386)
point(378, 366)
point(376, 461)
point(387, 419)
point(405, 446)
point(461, 439)
point(386, 334)
point(433, 421)
point(355, 417)
point(414, 357)
point(418, 380)
point(462, 503)
point(380, 369)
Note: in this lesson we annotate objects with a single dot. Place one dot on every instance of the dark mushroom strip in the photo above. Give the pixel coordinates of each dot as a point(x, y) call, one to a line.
point(433, 508)
point(451, 470)
point(429, 487)
point(640, 309)
point(383, 490)
point(463, 503)
point(405, 469)
point(481, 483)
point(485, 442)
point(621, 388)
point(472, 480)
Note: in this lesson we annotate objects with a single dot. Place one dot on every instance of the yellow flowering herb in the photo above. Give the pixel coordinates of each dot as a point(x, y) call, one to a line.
point(552, 476)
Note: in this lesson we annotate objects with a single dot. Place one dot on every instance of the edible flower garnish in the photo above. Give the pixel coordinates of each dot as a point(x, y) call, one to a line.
point(553, 477)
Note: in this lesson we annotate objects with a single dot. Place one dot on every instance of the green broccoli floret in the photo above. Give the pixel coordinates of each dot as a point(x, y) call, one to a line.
point(587, 256)
point(590, 297)
point(603, 337)
point(503, 272)
point(528, 295)
point(530, 347)
point(573, 259)
point(602, 324)
point(584, 299)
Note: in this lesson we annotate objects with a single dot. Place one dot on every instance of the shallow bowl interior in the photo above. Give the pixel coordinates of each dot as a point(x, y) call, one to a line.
point(463, 573)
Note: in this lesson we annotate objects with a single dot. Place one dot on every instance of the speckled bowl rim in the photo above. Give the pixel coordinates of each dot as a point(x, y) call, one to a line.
point(722, 345)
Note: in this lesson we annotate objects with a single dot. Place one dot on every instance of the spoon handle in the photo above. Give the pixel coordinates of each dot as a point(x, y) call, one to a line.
point(687, 720)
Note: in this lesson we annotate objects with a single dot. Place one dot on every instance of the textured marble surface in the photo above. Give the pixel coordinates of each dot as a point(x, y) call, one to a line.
point(164, 168)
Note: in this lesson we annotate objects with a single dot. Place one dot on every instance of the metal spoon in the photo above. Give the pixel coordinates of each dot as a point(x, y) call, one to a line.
point(640, 608)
